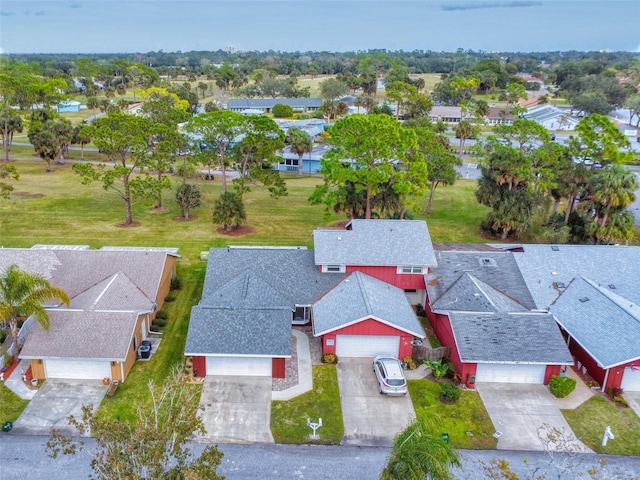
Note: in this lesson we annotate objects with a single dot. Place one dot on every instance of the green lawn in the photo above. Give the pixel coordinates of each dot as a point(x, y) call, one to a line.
point(289, 418)
point(467, 415)
point(589, 420)
point(12, 405)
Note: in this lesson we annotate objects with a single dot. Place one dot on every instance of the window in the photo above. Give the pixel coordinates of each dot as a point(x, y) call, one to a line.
point(333, 268)
point(410, 269)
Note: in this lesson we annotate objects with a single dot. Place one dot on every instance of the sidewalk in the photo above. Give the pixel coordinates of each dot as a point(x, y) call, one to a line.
point(581, 394)
point(305, 376)
point(15, 383)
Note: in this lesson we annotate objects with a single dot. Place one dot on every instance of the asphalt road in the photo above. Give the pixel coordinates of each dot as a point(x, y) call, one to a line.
point(23, 457)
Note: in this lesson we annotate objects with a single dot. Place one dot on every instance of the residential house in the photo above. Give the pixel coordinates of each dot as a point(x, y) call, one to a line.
point(552, 117)
point(266, 104)
point(479, 306)
point(115, 294)
point(499, 116)
point(357, 299)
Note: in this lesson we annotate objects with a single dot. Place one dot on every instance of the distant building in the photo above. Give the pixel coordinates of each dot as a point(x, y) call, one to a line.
point(265, 105)
point(67, 106)
point(552, 117)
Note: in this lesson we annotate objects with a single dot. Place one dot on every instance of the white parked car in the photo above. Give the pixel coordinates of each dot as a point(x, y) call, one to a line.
point(391, 379)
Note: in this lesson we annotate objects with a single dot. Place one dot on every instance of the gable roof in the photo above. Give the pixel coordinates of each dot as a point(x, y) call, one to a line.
point(605, 324)
point(494, 275)
point(359, 297)
point(239, 331)
point(469, 294)
point(82, 334)
point(544, 267)
point(532, 338)
point(375, 243)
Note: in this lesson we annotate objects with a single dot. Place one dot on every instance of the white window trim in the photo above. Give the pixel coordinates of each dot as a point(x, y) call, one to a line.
point(414, 269)
point(334, 268)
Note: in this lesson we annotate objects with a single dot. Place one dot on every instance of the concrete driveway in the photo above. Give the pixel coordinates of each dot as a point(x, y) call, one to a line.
point(634, 401)
point(54, 402)
point(237, 409)
point(526, 414)
point(370, 419)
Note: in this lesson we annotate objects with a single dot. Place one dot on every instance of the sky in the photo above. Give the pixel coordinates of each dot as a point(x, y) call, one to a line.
point(124, 26)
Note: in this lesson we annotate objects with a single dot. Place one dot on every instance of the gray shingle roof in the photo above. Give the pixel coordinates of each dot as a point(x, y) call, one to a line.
point(508, 338)
point(359, 297)
point(498, 270)
point(114, 293)
point(605, 324)
point(375, 242)
point(468, 294)
point(248, 332)
point(544, 266)
point(82, 334)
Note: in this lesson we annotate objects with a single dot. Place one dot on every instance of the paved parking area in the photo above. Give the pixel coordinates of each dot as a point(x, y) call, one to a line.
point(237, 409)
point(54, 402)
point(525, 414)
point(370, 419)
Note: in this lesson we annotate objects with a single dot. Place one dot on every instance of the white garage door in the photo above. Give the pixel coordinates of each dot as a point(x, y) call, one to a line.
point(510, 373)
point(81, 369)
point(631, 380)
point(244, 366)
point(366, 345)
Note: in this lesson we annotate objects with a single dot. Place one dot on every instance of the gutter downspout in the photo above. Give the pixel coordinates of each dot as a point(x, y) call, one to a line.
point(606, 379)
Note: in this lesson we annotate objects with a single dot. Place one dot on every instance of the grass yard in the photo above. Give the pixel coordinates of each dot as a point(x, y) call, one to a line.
point(466, 415)
point(170, 352)
point(12, 405)
point(289, 418)
point(589, 420)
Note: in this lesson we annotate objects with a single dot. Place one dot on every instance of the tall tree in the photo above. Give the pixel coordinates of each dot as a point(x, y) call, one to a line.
point(23, 295)
point(528, 134)
point(464, 129)
point(300, 143)
point(420, 452)
point(153, 444)
point(600, 140)
point(126, 141)
point(332, 88)
point(46, 145)
point(219, 131)
point(11, 123)
point(187, 197)
point(370, 151)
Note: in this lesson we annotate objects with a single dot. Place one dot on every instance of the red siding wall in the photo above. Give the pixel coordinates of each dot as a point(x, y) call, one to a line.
point(585, 359)
point(200, 366)
point(278, 369)
point(550, 372)
point(370, 327)
point(389, 275)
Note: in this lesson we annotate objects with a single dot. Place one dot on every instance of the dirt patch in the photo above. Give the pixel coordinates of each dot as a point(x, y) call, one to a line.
point(237, 232)
point(159, 209)
point(128, 225)
point(27, 195)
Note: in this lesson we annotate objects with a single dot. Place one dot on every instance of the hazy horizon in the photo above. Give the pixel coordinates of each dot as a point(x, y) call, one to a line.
point(118, 26)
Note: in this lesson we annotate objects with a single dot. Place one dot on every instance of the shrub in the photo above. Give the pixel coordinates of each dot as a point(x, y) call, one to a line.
point(621, 401)
point(162, 315)
point(280, 110)
point(561, 386)
point(176, 284)
point(439, 369)
point(449, 392)
point(3, 335)
point(411, 364)
point(329, 358)
point(613, 392)
point(170, 298)
point(161, 322)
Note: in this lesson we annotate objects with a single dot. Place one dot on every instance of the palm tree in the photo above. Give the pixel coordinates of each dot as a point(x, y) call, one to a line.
point(613, 189)
point(300, 143)
point(22, 295)
point(418, 453)
point(464, 129)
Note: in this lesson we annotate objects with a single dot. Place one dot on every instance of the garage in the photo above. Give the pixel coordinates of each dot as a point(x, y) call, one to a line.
point(366, 345)
point(631, 379)
point(510, 373)
point(242, 366)
point(79, 369)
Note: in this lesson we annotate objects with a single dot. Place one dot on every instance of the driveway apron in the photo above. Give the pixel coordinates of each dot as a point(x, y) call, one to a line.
point(634, 401)
point(370, 419)
point(237, 409)
point(527, 416)
point(54, 402)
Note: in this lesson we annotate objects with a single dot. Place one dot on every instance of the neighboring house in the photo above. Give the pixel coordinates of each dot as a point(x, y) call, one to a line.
point(265, 105)
point(357, 299)
point(530, 101)
point(310, 161)
point(552, 117)
point(592, 291)
point(499, 116)
point(69, 106)
point(479, 306)
point(313, 126)
point(115, 294)
point(448, 114)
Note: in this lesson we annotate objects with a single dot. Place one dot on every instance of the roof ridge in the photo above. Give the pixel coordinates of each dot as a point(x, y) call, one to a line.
point(363, 292)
